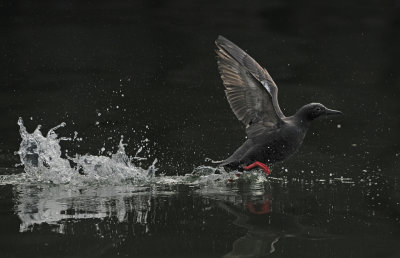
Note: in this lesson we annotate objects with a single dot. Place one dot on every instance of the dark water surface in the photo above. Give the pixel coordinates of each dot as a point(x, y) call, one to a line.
point(299, 218)
point(147, 70)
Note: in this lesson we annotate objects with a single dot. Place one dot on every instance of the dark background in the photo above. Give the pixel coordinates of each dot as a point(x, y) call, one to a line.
point(149, 68)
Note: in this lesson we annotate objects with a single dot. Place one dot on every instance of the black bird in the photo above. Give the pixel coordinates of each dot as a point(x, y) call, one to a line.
point(253, 97)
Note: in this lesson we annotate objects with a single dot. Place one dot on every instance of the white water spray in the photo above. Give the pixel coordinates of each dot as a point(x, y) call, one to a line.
point(42, 161)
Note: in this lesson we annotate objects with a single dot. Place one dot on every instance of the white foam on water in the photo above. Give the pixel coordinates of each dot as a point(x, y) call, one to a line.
point(42, 159)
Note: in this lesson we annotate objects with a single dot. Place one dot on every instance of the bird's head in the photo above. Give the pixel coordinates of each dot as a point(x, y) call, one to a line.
point(313, 110)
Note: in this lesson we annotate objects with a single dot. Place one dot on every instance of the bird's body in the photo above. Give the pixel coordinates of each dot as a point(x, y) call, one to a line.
point(253, 97)
point(269, 146)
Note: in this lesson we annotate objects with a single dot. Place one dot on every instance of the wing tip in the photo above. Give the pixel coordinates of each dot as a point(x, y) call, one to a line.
point(221, 41)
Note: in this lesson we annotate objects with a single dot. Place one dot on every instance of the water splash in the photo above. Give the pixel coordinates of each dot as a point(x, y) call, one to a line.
point(42, 159)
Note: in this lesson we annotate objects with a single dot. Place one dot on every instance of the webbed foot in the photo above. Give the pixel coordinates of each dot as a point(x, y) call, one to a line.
point(264, 167)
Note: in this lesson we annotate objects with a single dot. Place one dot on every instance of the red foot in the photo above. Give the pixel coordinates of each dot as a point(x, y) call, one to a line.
point(264, 167)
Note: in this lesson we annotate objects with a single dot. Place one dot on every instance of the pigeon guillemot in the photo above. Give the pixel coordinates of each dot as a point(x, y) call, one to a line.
point(253, 97)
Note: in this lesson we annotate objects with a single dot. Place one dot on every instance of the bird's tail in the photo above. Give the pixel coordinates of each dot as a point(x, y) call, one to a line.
point(223, 163)
point(214, 161)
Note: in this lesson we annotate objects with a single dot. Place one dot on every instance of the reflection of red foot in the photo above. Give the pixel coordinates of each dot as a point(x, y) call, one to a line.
point(264, 167)
point(265, 208)
point(230, 180)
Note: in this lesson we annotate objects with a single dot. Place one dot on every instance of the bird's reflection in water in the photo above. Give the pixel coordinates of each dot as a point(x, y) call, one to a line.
point(265, 227)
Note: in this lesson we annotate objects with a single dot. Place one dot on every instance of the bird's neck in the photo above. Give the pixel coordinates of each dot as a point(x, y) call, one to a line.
point(297, 122)
point(301, 119)
point(302, 116)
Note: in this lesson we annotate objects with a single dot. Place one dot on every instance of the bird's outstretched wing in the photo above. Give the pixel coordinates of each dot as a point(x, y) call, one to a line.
point(250, 90)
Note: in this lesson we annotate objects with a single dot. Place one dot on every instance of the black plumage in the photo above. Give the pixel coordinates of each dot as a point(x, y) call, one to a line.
point(253, 97)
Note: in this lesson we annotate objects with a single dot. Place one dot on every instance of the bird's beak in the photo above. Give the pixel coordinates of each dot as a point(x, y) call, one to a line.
point(332, 112)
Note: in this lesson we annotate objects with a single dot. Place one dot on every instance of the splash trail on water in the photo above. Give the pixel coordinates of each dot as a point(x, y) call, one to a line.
point(41, 157)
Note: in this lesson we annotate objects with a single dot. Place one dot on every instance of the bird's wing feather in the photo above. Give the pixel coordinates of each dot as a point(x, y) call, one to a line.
point(250, 90)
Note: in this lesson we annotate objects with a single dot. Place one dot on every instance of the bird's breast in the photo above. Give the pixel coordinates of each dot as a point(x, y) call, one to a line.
point(293, 137)
point(288, 142)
